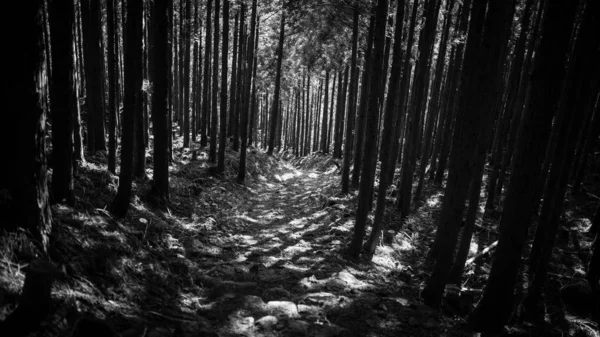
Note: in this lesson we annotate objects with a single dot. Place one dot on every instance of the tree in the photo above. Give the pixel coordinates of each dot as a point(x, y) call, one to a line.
point(486, 45)
point(495, 307)
point(207, 53)
point(133, 90)
point(224, 59)
point(214, 119)
point(417, 108)
point(359, 131)
point(112, 85)
point(185, 89)
point(325, 108)
point(245, 107)
point(23, 130)
point(392, 112)
point(160, 95)
point(62, 91)
point(275, 106)
point(351, 105)
point(585, 57)
point(90, 12)
point(370, 154)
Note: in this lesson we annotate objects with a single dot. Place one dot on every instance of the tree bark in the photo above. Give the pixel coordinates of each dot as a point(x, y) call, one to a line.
point(495, 307)
point(244, 112)
point(392, 112)
point(370, 155)
point(62, 91)
point(486, 45)
point(351, 106)
point(207, 66)
point(224, 67)
point(133, 88)
point(275, 106)
point(214, 119)
point(160, 112)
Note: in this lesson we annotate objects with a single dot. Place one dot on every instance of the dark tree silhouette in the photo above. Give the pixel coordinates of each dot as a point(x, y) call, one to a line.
point(133, 90)
point(160, 94)
point(23, 128)
point(246, 97)
point(62, 91)
point(275, 111)
point(224, 68)
point(351, 105)
point(370, 155)
point(495, 307)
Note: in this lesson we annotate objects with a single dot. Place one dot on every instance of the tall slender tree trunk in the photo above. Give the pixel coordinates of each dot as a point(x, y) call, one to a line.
point(62, 91)
point(392, 112)
point(23, 127)
point(93, 70)
point(205, 99)
point(133, 90)
point(244, 113)
point(351, 106)
point(585, 57)
point(224, 67)
point(495, 307)
point(112, 86)
point(362, 109)
point(323, 144)
point(160, 111)
point(275, 106)
point(487, 40)
point(370, 155)
point(214, 120)
point(417, 108)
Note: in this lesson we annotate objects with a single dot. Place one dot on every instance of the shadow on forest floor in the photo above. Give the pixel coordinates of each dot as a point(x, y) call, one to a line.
point(261, 259)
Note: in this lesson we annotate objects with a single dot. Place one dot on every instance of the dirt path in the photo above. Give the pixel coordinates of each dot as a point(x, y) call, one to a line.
point(285, 275)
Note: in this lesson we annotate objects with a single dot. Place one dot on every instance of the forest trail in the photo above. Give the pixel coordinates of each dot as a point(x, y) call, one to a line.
point(266, 258)
point(279, 267)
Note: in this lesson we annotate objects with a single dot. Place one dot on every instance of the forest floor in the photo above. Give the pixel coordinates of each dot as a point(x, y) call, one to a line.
point(261, 259)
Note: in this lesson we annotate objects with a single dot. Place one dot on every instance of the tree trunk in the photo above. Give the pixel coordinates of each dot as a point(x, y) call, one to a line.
point(244, 112)
point(233, 85)
point(205, 99)
point(90, 11)
point(495, 307)
point(392, 112)
point(323, 143)
point(435, 99)
point(133, 90)
point(62, 91)
point(589, 142)
point(486, 44)
point(351, 106)
point(370, 155)
point(112, 86)
point(224, 59)
point(417, 108)
point(585, 56)
point(23, 128)
point(160, 112)
point(212, 154)
point(253, 108)
point(362, 109)
point(275, 106)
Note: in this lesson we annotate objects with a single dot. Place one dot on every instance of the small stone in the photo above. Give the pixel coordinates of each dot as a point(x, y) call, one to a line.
point(267, 322)
point(285, 308)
